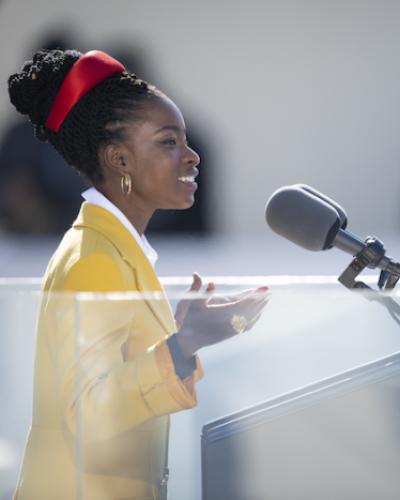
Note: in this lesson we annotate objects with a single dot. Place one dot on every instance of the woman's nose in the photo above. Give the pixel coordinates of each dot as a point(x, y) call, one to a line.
point(192, 157)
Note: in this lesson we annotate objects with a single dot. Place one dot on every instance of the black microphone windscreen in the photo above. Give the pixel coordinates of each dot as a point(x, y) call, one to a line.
point(340, 210)
point(302, 218)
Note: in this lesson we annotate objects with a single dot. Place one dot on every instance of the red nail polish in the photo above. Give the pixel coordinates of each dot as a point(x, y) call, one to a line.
point(262, 289)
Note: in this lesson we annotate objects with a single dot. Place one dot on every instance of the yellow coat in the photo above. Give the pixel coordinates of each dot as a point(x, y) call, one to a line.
point(104, 380)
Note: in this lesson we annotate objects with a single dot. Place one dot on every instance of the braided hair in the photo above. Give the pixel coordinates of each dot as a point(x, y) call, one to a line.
point(97, 119)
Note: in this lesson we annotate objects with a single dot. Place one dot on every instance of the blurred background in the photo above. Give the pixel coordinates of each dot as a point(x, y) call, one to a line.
point(274, 93)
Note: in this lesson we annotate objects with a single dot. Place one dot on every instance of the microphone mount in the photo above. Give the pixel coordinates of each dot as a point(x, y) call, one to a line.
point(370, 256)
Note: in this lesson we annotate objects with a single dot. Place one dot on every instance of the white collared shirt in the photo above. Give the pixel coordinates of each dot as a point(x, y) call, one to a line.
point(94, 197)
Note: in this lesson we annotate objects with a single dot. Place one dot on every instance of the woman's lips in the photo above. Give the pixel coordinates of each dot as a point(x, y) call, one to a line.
point(188, 182)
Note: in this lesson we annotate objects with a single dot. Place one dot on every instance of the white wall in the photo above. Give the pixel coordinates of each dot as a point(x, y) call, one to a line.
point(289, 91)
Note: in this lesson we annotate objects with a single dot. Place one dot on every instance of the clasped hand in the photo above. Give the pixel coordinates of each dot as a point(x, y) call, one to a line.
point(210, 318)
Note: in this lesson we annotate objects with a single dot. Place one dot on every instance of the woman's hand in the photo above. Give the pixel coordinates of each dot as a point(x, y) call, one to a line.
point(212, 319)
point(183, 305)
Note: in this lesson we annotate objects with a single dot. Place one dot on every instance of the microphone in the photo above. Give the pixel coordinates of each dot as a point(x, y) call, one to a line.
point(313, 221)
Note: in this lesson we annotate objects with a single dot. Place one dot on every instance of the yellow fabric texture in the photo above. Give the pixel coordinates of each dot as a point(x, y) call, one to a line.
point(104, 381)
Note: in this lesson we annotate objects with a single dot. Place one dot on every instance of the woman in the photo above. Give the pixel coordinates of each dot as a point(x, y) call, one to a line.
point(102, 401)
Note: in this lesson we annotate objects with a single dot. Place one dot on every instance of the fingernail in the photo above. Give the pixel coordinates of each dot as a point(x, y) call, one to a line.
point(262, 289)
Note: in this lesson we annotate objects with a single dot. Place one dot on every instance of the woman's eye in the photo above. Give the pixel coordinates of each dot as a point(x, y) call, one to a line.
point(170, 142)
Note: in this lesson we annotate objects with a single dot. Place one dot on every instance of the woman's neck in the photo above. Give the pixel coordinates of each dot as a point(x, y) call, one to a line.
point(130, 206)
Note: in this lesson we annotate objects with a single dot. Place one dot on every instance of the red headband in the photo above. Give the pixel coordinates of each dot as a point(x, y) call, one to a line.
point(88, 71)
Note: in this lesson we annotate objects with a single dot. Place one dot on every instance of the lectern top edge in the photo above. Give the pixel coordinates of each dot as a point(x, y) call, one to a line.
point(330, 387)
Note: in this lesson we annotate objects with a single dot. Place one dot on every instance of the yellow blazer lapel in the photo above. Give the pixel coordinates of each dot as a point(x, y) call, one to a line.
point(103, 221)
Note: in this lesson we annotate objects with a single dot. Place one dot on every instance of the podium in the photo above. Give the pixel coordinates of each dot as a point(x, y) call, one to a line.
point(335, 439)
point(310, 396)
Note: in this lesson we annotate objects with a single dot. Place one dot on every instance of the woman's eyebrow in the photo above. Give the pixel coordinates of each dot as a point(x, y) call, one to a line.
point(170, 127)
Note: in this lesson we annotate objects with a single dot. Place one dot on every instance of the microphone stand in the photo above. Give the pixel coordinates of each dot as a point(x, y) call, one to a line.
point(370, 256)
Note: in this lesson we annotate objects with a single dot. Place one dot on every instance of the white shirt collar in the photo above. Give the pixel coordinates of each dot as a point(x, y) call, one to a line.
point(94, 197)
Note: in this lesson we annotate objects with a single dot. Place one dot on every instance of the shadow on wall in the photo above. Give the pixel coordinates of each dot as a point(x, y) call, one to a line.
point(39, 192)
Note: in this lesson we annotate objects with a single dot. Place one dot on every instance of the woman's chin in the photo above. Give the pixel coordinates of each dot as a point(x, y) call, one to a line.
point(185, 203)
point(189, 203)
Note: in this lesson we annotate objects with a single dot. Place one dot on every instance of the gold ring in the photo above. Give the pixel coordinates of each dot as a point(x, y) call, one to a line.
point(239, 323)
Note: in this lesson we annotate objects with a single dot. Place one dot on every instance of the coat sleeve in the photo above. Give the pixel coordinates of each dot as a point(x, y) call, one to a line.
point(102, 393)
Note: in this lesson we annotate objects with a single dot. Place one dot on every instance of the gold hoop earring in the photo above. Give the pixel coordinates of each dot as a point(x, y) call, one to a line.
point(126, 184)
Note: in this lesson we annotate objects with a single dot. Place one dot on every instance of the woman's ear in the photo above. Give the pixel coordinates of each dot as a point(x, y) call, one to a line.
point(112, 157)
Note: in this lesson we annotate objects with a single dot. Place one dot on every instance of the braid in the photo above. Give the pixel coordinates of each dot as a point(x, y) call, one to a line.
point(98, 117)
point(34, 88)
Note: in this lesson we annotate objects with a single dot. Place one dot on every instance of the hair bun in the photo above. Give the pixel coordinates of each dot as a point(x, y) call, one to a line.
point(33, 89)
